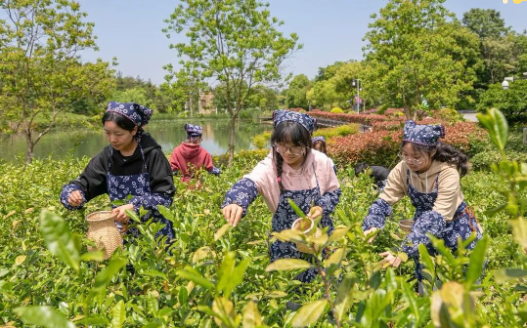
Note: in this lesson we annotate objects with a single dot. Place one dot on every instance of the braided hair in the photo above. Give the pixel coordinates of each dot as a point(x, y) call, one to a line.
point(289, 131)
point(445, 153)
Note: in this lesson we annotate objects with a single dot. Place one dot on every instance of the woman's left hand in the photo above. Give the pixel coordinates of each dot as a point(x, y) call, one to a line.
point(120, 213)
point(315, 212)
point(390, 260)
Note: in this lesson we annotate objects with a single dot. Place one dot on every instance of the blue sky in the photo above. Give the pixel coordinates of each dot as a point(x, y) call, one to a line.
point(330, 30)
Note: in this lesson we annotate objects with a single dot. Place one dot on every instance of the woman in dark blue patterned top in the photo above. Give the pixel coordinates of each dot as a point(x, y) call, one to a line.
point(132, 165)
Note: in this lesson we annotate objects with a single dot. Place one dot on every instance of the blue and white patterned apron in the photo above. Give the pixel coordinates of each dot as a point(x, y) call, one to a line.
point(284, 217)
point(462, 225)
point(120, 186)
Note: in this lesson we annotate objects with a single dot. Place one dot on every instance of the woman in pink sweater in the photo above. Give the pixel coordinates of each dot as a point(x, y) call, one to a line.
point(291, 170)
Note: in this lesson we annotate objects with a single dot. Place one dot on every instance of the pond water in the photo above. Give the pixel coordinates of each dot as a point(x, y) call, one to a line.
point(168, 134)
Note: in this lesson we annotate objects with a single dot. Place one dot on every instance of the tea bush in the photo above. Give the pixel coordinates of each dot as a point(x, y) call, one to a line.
point(213, 275)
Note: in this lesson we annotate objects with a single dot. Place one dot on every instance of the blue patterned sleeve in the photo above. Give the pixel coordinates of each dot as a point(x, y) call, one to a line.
point(377, 214)
point(66, 191)
point(429, 222)
point(329, 201)
point(215, 171)
point(149, 201)
point(242, 193)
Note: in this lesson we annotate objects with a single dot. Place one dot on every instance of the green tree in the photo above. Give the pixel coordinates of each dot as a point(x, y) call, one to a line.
point(410, 54)
point(512, 102)
point(235, 42)
point(486, 23)
point(296, 93)
point(152, 96)
point(263, 98)
point(498, 46)
point(467, 50)
point(183, 88)
point(326, 73)
point(40, 72)
point(136, 94)
point(323, 94)
point(336, 89)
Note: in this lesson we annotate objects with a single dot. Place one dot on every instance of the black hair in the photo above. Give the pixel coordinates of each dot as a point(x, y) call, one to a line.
point(322, 143)
point(289, 131)
point(361, 167)
point(121, 121)
point(445, 153)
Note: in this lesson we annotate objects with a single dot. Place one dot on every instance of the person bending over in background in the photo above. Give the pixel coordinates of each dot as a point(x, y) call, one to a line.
point(378, 173)
point(189, 157)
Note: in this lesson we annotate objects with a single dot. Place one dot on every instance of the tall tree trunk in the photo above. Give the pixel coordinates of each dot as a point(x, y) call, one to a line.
point(231, 137)
point(29, 150)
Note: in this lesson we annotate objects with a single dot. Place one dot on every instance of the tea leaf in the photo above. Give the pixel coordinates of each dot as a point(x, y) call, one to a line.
point(231, 276)
point(133, 215)
point(224, 310)
point(276, 294)
point(344, 297)
point(97, 256)
point(287, 264)
point(104, 277)
point(338, 233)
point(503, 275)
point(519, 231)
point(20, 259)
point(200, 254)
point(191, 274)
point(335, 258)
point(496, 123)
point(251, 316)
point(165, 212)
point(44, 316)
point(409, 296)
point(118, 315)
point(309, 313)
point(221, 231)
point(59, 239)
point(297, 209)
point(290, 235)
point(477, 260)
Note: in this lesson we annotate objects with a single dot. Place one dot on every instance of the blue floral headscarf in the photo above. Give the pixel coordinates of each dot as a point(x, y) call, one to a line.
point(426, 135)
point(305, 120)
point(193, 130)
point(318, 138)
point(138, 114)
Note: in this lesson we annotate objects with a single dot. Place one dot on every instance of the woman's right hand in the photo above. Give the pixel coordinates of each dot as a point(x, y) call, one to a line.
point(75, 198)
point(232, 213)
point(369, 231)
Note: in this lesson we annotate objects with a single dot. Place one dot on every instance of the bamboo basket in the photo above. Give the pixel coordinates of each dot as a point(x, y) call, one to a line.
point(302, 247)
point(406, 225)
point(104, 233)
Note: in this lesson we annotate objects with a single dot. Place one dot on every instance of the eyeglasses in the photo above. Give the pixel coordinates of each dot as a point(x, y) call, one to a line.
point(409, 160)
point(295, 150)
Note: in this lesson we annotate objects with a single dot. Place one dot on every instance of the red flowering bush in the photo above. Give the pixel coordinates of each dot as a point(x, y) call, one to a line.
point(461, 134)
point(375, 148)
point(380, 146)
point(352, 118)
